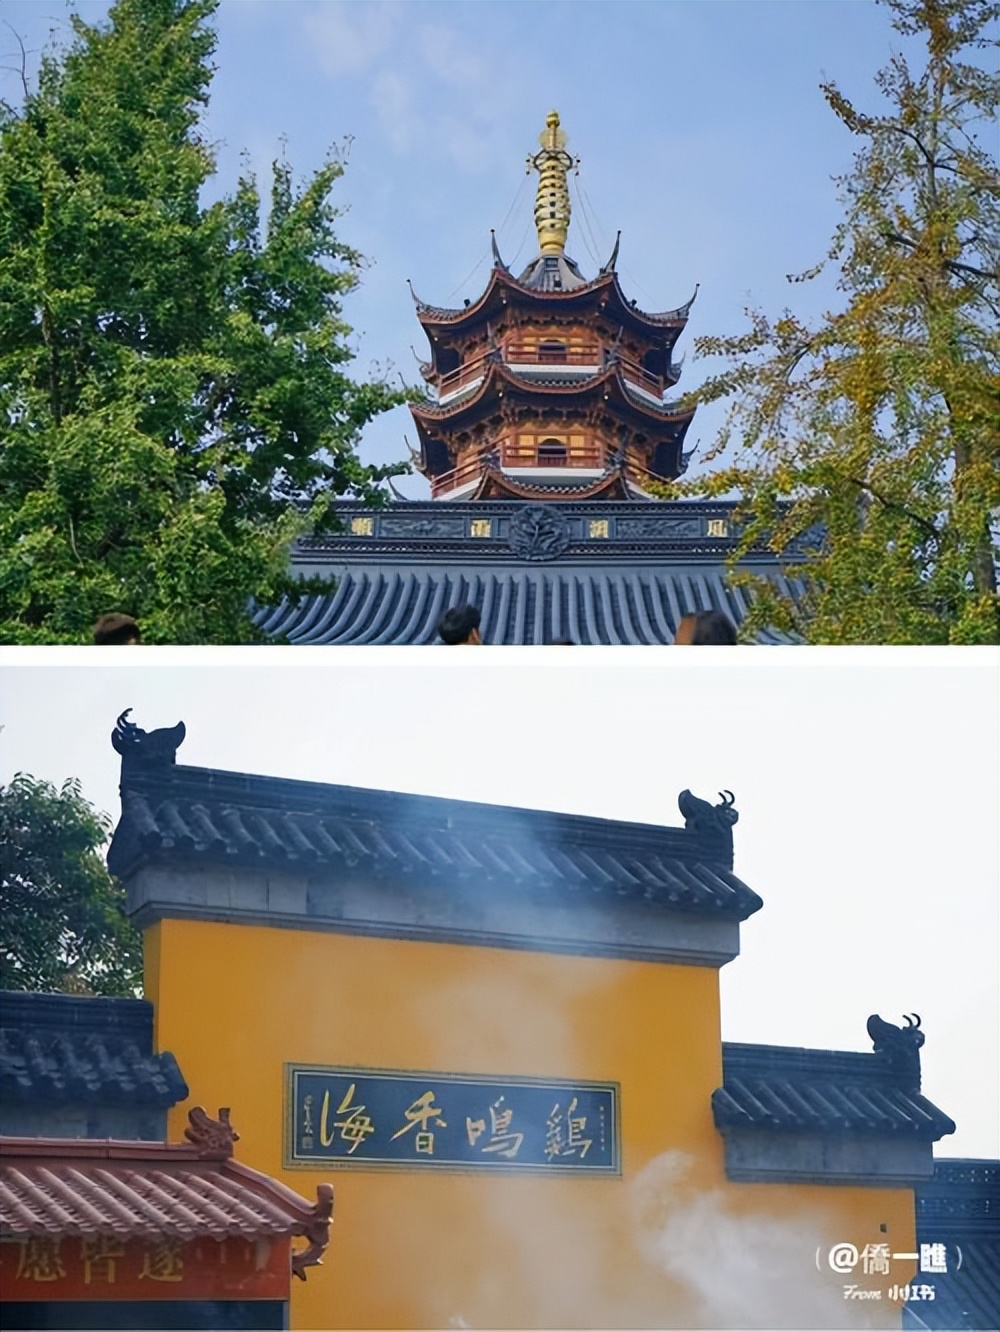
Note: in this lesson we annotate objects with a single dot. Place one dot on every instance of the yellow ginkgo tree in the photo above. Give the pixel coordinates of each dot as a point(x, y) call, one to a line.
point(864, 446)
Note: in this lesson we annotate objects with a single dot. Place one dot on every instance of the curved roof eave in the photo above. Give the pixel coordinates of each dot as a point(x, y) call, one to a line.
point(441, 316)
point(611, 375)
point(517, 489)
point(654, 320)
point(431, 315)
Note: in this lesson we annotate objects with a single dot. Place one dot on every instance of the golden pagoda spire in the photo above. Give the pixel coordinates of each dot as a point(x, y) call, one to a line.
point(552, 209)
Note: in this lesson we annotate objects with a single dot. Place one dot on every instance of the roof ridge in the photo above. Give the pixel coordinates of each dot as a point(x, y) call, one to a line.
point(415, 803)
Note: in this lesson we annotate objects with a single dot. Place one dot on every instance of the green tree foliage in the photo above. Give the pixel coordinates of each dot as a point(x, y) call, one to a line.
point(63, 923)
point(174, 399)
point(877, 427)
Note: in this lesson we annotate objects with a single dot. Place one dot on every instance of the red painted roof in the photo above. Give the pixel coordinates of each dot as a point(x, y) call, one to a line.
point(135, 1190)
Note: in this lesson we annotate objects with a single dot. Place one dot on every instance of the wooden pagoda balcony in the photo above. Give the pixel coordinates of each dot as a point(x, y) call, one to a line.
point(514, 458)
point(519, 353)
point(516, 354)
point(525, 456)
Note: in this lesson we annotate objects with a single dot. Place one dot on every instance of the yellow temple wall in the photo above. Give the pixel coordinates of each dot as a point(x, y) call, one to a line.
point(671, 1243)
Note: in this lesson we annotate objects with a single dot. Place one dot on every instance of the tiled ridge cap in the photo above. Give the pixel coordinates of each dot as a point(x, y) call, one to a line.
point(799, 1090)
point(964, 1178)
point(77, 1014)
point(109, 1149)
point(740, 1057)
point(434, 813)
point(59, 1049)
point(971, 1170)
point(712, 508)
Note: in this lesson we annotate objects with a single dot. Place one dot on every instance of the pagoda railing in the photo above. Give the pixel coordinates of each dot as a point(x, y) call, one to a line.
point(519, 353)
point(465, 374)
point(526, 456)
point(635, 373)
point(516, 354)
point(471, 469)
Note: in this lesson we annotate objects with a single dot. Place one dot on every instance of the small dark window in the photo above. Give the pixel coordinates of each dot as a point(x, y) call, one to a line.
point(552, 453)
point(553, 351)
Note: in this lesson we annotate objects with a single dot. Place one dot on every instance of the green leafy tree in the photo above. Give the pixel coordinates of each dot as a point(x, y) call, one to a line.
point(174, 398)
point(63, 923)
point(868, 442)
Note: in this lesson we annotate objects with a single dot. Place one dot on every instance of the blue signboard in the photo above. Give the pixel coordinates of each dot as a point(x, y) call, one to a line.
point(377, 1118)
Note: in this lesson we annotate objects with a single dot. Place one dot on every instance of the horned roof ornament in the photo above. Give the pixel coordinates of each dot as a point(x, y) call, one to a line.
point(900, 1046)
point(149, 749)
point(700, 816)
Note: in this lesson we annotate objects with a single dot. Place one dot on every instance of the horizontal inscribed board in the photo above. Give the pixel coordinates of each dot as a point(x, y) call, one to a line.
point(385, 1119)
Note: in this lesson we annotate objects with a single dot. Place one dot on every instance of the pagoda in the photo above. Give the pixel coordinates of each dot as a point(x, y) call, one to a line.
point(545, 434)
point(550, 386)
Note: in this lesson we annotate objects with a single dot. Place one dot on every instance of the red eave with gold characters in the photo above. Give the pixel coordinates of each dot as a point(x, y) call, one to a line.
point(103, 1219)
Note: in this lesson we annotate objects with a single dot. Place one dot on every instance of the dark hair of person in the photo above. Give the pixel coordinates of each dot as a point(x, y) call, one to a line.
point(116, 629)
point(457, 624)
point(713, 627)
point(563, 642)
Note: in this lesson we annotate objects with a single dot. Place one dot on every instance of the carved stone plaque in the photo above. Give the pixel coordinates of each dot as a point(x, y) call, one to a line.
point(400, 525)
point(665, 528)
point(537, 532)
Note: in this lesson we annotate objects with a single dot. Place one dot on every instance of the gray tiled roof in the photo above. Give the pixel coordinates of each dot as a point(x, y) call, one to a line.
point(63, 1049)
point(784, 1089)
point(631, 569)
point(960, 1208)
point(552, 272)
point(199, 814)
point(385, 603)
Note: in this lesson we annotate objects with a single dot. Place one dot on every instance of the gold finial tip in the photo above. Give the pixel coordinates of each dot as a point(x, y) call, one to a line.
point(552, 206)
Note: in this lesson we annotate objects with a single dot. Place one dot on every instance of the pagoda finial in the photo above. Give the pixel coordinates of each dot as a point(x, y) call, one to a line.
point(552, 209)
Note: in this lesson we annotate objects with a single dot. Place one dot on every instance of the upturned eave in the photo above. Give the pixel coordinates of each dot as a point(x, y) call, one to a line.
point(499, 377)
point(603, 295)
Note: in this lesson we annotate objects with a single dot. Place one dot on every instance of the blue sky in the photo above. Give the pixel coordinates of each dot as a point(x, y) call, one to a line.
point(700, 127)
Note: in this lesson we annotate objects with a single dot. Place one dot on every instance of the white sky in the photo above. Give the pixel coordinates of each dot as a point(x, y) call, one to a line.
point(866, 780)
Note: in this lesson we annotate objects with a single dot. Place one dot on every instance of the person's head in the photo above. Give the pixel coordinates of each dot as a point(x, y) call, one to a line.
point(460, 625)
point(116, 629)
point(705, 628)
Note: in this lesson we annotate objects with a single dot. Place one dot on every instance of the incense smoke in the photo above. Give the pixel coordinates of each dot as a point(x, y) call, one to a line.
point(747, 1270)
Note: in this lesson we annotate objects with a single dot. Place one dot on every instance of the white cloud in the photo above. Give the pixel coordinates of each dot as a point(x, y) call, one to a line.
point(397, 112)
point(350, 38)
point(429, 86)
point(445, 56)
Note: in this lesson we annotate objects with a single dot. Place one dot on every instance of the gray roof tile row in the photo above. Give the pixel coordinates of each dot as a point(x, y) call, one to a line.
point(960, 1208)
point(60, 1049)
point(820, 1091)
point(197, 813)
point(385, 602)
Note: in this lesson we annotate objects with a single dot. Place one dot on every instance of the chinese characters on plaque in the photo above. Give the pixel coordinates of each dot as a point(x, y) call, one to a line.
point(94, 1267)
point(364, 1117)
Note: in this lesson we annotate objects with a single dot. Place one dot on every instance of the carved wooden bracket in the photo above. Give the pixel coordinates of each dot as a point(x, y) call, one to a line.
point(317, 1231)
